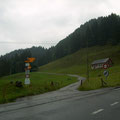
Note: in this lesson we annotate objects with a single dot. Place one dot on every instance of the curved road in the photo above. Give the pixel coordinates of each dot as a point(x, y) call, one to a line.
point(66, 103)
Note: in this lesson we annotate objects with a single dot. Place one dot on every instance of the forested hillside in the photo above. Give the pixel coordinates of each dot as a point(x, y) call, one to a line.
point(100, 31)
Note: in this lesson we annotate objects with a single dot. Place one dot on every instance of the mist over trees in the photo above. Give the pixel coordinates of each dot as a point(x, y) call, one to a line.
point(100, 31)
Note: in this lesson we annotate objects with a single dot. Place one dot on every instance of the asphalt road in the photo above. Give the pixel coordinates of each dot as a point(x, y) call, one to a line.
point(66, 103)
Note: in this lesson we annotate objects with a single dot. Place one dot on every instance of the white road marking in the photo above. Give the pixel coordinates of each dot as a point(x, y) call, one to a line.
point(100, 110)
point(114, 103)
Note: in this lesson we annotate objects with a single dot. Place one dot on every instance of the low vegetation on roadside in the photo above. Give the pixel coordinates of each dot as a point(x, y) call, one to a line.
point(40, 83)
point(95, 80)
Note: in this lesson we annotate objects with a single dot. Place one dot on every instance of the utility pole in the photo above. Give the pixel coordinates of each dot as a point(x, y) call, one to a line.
point(87, 61)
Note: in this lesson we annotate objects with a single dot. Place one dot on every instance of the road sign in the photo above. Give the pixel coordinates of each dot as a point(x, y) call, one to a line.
point(29, 67)
point(29, 60)
point(105, 66)
point(27, 76)
point(106, 73)
point(27, 71)
point(27, 81)
point(27, 64)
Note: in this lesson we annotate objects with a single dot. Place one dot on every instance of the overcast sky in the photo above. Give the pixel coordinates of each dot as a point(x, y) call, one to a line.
point(27, 23)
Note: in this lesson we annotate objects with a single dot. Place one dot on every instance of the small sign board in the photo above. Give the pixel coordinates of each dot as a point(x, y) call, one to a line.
point(27, 71)
point(27, 64)
point(106, 73)
point(29, 67)
point(29, 60)
point(105, 66)
point(27, 81)
point(27, 76)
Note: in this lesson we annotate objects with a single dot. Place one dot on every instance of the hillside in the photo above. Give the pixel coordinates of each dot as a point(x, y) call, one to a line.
point(95, 32)
point(76, 64)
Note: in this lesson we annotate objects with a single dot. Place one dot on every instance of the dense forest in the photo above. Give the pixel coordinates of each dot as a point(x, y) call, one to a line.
point(100, 31)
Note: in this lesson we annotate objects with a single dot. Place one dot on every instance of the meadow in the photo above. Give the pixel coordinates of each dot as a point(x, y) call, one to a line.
point(40, 83)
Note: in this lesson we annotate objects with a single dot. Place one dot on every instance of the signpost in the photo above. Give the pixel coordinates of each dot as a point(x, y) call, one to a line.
point(27, 70)
point(105, 66)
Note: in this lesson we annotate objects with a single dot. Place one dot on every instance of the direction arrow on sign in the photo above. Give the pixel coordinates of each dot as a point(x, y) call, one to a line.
point(29, 60)
point(106, 73)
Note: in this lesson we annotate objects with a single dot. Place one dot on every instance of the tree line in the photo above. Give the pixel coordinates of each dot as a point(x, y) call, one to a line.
point(100, 31)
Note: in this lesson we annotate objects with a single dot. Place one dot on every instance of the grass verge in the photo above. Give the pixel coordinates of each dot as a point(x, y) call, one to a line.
point(40, 83)
point(95, 81)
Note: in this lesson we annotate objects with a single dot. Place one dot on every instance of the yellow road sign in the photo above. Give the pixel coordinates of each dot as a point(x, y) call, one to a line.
point(29, 60)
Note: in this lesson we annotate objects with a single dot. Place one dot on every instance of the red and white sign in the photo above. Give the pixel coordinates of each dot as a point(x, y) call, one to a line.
point(105, 66)
point(27, 76)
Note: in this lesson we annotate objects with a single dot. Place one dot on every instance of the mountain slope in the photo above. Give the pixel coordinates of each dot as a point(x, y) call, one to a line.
point(76, 63)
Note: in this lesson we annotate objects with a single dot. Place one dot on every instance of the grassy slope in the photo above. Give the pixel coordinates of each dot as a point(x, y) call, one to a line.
point(40, 83)
point(76, 64)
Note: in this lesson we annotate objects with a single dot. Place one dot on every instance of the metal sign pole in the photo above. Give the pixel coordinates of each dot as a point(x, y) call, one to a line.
point(106, 78)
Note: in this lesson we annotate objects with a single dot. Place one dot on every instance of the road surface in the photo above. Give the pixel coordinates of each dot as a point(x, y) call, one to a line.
point(66, 103)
